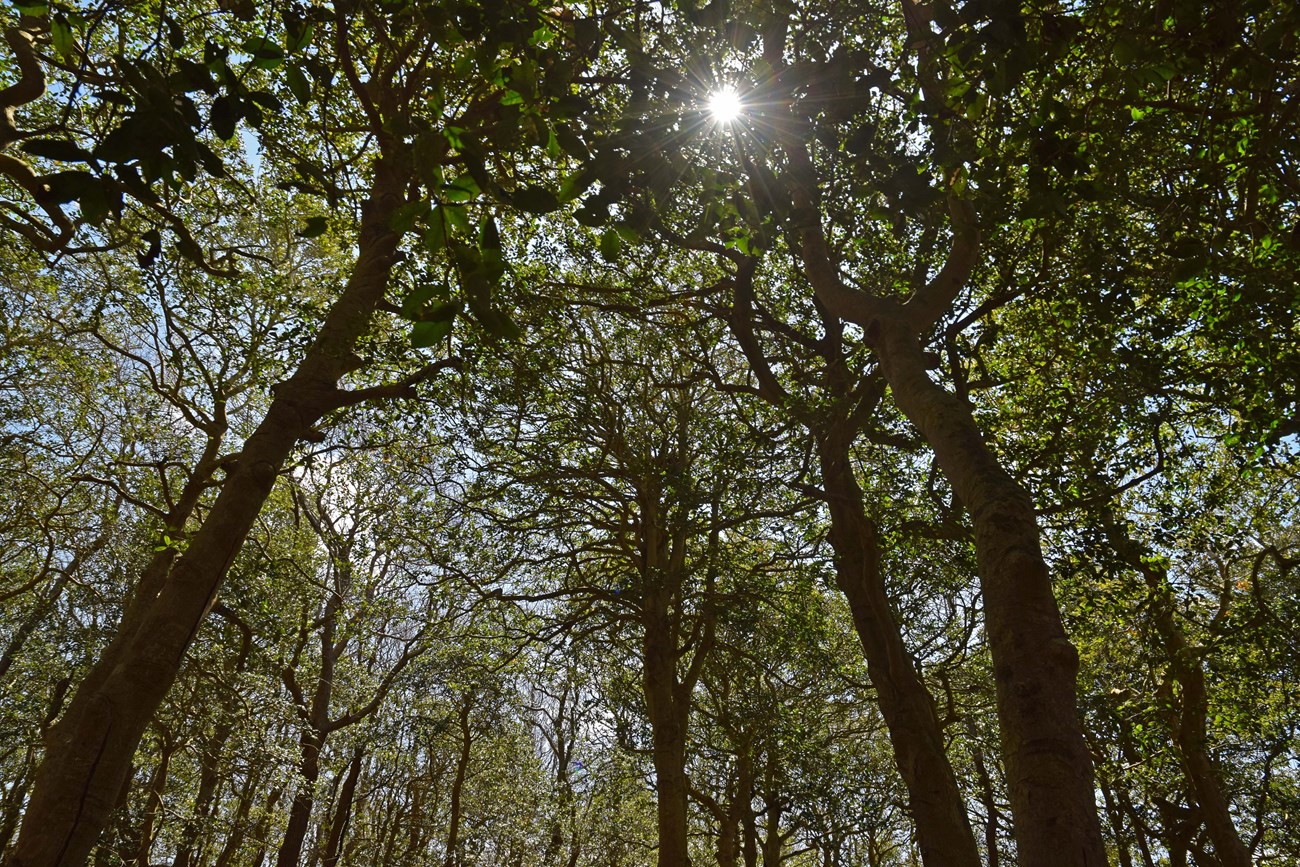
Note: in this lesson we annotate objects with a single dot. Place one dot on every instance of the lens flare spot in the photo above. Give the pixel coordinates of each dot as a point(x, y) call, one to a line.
point(725, 105)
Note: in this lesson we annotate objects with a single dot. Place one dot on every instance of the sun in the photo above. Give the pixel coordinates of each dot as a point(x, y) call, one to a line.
point(724, 105)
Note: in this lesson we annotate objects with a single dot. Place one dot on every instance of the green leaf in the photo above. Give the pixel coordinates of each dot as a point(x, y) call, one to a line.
point(224, 117)
point(69, 186)
point(415, 300)
point(95, 205)
point(299, 85)
point(314, 228)
point(297, 36)
point(461, 189)
point(435, 236)
point(571, 142)
point(457, 218)
point(1126, 50)
point(611, 244)
point(490, 237)
point(426, 334)
point(405, 217)
point(62, 37)
point(190, 249)
point(263, 48)
point(455, 136)
point(267, 100)
point(741, 243)
point(575, 185)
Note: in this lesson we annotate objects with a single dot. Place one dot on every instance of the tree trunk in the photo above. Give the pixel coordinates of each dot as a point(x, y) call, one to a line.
point(239, 823)
point(189, 846)
point(749, 832)
point(154, 802)
point(1049, 769)
point(668, 720)
point(1116, 825)
point(1187, 727)
point(458, 784)
point(309, 746)
point(989, 801)
point(263, 824)
point(942, 827)
point(343, 812)
point(90, 749)
point(209, 775)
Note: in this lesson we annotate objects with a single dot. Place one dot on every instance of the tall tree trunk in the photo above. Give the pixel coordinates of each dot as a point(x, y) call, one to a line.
point(749, 832)
point(263, 825)
point(89, 751)
point(458, 784)
point(942, 827)
point(1049, 769)
point(773, 842)
point(187, 847)
point(154, 802)
point(668, 721)
point(239, 822)
point(1116, 824)
point(343, 812)
point(309, 747)
point(212, 749)
point(988, 800)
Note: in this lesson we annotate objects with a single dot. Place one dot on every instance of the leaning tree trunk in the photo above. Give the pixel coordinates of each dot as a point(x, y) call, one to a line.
point(309, 748)
point(90, 749)
point(458, 783)
point(943, 829)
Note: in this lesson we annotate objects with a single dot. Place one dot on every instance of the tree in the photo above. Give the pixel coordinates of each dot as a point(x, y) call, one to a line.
point(982, 309)
point(90, 749)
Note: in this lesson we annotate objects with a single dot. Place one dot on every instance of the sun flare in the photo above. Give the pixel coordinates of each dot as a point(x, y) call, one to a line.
point(724, 105)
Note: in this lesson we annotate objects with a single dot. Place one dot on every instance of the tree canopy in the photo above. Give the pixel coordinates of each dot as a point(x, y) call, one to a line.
point(614, 433)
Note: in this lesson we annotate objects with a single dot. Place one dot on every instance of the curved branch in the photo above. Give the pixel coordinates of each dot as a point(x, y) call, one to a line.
point(29, 87)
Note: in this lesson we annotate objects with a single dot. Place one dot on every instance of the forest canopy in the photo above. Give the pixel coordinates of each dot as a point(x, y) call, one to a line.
point(621, 433)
